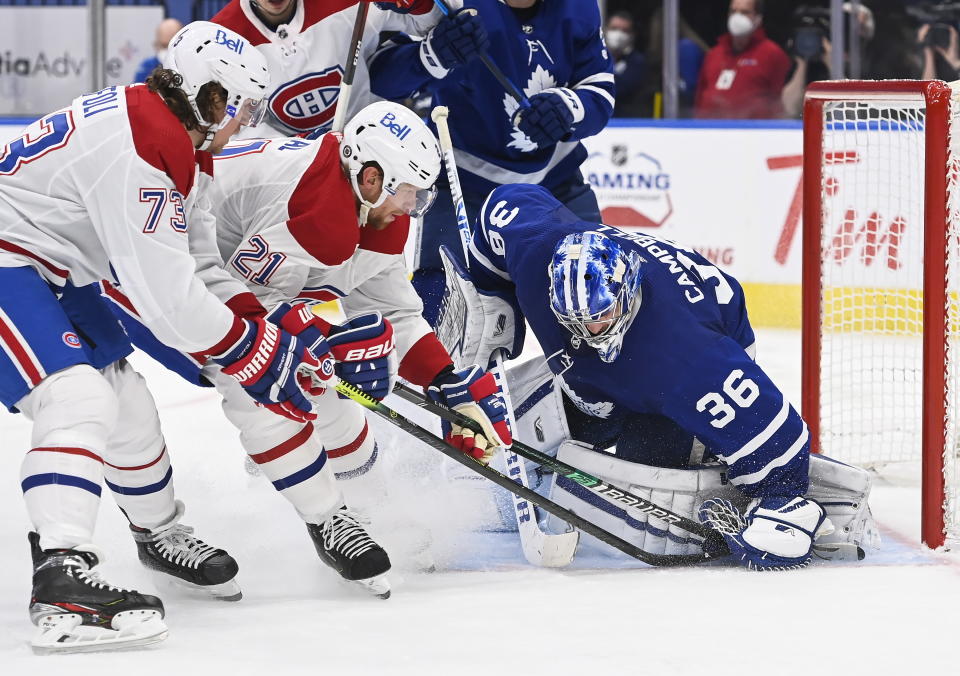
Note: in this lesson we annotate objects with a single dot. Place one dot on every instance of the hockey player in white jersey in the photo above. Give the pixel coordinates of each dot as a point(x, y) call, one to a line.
point(307, 221)
point(100, 190)
point(307, 43)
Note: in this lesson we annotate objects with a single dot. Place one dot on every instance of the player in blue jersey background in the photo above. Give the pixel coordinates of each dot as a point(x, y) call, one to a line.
point(554, 52)
point(651, 346)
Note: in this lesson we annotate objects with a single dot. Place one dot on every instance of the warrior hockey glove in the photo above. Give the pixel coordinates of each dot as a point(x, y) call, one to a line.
point(550, 117)
point(777, 533)
point(265, 363)
point(363, 348)
point(404, 6)
point(300, 321)
point(476, 395)
point(454, 41)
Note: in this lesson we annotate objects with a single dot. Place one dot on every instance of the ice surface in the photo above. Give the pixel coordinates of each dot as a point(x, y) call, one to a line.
point(486, 611)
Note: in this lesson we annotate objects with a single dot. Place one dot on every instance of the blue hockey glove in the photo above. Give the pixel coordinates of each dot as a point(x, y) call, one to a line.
point(454, 41)
point(265, 362)
point(549, 118)
point(404, 6)
point(777, 533)
point(363, 348)
point(476, 395)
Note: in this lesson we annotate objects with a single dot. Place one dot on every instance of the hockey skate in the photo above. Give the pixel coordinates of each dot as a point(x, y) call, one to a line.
point(189, 562)
point(345, 546)
point(77, 611)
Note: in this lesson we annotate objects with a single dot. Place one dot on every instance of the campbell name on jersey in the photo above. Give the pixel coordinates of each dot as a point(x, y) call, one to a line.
point(683, 357)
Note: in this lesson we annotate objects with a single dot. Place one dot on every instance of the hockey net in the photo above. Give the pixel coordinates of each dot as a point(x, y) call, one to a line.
point(881, 275)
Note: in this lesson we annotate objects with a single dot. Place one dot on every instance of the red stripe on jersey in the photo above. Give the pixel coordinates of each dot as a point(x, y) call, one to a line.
point(68, 450)
point(160, 138)
point(390, 240)
point(19, 352)
point(118, 297)
point(351, 447)
point(13, 248)
point(149, 464)
point(233, 335)
point(422, 362)
point(246, 305)
point(296, 441)
point(322, 208)
point(322, 295)
point(232, 16)
point(205, 162)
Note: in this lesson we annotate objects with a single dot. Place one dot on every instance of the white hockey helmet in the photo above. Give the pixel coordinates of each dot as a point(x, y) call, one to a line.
point(397, 140)
point(203, 52)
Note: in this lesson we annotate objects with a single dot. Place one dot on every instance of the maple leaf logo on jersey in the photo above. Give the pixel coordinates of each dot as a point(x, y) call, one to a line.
point(308, 102)
point(598, 409)
point(540, 79)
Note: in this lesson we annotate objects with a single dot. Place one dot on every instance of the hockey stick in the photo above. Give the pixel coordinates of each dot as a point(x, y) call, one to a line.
point(494, 69)
point(514, 486)
point(553, 550)
point(353, 56)
point(624, 498)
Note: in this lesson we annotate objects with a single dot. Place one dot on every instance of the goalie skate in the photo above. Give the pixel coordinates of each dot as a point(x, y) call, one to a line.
point(344, 545)
point(77, 611)
point(186, 560)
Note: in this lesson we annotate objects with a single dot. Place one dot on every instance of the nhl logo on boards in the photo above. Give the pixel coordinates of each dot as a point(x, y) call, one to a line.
point(308, 102)
point(71, 339)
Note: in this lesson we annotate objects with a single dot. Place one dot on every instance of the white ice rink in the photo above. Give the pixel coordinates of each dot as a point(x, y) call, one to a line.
point(485, 611)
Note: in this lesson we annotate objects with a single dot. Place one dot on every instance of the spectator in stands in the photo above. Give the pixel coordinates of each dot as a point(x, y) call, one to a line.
point(941, 53)
point(812, 59)
point(166, 29)
point(629, 65)
point(743, 76)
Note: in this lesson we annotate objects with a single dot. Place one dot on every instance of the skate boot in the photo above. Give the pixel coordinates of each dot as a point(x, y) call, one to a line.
point(77, 611)
point(345, 546)
point(190, 562)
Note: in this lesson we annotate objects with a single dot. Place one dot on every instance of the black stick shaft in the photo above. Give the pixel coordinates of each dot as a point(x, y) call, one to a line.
point(509, 484)
point(588, 481)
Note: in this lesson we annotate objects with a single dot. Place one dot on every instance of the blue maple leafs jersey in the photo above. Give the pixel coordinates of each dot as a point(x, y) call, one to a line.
point(558, 46)
point(684, 356)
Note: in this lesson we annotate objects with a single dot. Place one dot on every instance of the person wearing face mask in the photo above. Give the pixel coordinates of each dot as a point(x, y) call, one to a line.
point(744, 74)
point(166, 29)
point(629, 65)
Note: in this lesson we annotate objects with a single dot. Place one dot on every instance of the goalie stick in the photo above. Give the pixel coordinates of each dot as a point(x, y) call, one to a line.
point(353, 56)
point(552, 550)
point(513, 485)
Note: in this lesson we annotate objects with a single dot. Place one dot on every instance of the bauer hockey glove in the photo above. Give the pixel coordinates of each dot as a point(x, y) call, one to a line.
point(363, 348)
point(454, 41)
point(777, 533)
point(265, 362)
point(404, 6)
point(476, 395)
point(550, 117)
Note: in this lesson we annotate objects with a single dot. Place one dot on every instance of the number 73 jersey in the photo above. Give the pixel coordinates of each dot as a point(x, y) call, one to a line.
point(687, 355)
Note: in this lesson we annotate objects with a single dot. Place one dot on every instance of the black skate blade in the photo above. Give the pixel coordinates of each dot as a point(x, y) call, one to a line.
point(228, 591)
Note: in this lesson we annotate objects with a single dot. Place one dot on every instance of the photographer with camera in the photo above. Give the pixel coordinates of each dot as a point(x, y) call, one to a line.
point(742, 76)
point(941, 51)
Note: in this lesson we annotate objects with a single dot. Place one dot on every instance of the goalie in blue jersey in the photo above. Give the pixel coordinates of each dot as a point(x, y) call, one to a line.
point(648, 380)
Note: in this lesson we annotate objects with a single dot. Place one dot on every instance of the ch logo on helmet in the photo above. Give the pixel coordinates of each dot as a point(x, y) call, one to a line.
point(234, 45)
point(71, 339)
point(308, 102)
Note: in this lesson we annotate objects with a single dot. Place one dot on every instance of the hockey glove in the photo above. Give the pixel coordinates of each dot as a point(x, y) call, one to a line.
point(404, 6)
point(777, 533)
point(550, 117)
point(300, 321)
point(476, 395)
point(265, 362)
point(454, 41)
point(363, 348)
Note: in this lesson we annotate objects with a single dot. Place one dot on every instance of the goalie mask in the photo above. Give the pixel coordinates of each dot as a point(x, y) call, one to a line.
point(203, 52)
point(395, 139)
point(595, 290)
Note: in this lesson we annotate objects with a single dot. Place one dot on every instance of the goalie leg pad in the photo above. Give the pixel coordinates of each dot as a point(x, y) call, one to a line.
point(678, 490)
point(843, 491)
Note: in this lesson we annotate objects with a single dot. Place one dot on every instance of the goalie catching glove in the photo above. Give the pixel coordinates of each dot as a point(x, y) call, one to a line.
point(265, 362)
point(359, 351)
point(476, 395)
point(777, 533)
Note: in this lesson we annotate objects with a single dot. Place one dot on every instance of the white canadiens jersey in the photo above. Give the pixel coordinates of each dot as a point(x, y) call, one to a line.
point(307, 58)
point(102, 190)
point(287, 225)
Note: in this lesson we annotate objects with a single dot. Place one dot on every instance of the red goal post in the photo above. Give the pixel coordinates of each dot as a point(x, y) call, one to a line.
point(880, 282)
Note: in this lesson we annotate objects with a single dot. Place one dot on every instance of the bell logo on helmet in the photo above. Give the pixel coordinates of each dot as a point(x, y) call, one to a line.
point(401, 131)
point(234, 45)
point(308, 102)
